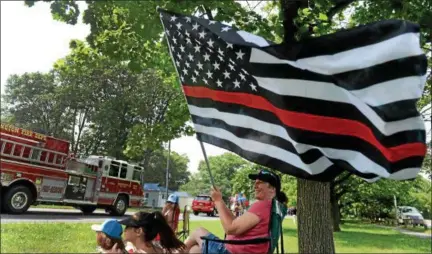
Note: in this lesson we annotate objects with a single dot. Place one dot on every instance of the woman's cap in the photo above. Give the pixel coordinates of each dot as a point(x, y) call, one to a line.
point(173, 199)
point(110, 227)
point(268, 177)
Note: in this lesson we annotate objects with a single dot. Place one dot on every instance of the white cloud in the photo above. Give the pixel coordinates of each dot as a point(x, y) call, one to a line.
point(192, 148)
point(32, 41)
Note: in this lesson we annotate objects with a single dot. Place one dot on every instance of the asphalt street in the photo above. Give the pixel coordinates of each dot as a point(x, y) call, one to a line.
point(44, 215)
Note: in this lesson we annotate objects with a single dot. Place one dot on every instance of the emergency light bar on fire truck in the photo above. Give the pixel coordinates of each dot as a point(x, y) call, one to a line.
point(36, 169)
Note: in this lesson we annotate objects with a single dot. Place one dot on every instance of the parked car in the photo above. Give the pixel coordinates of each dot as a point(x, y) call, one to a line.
point(408, 212)
point(203, 204)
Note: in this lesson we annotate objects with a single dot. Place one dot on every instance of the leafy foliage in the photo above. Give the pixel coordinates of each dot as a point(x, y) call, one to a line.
point(36, 101)
point(375, 201)
point(155, 172)
point(223, 167)
point(98, 104)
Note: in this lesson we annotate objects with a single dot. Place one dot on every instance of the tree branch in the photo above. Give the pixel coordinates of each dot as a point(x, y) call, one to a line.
point(341, 5)
point(339, 194)
point(343, 179)
point(207, 11)
point(253, 9)
point(289, 10)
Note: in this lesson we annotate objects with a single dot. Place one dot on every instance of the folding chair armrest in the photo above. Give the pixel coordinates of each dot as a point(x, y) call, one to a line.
point(239, 242)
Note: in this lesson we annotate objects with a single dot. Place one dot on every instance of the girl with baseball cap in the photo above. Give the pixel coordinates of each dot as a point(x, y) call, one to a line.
point(108, 235)
point(171, 212)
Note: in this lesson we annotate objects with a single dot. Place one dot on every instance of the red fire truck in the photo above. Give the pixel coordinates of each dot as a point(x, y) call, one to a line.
point(37, 169)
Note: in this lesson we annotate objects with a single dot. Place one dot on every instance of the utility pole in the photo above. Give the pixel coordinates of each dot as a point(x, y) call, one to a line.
point(395, 204)
point(167, 169)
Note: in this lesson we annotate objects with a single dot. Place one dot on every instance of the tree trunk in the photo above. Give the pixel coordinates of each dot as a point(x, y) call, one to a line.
point(335, 214)
point(315, 233)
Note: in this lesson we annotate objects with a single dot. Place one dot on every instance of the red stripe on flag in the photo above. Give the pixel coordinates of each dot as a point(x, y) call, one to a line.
point(316, 123)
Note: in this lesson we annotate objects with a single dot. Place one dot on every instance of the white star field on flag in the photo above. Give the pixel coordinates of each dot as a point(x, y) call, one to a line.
point(202, 58)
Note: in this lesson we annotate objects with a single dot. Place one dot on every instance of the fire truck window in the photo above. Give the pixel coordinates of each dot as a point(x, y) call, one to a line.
point(136, 175)
point(114, 169)
point(17, 150)
point(59, 159)
point(123, 171)
point(74, 180)
point(35, 154)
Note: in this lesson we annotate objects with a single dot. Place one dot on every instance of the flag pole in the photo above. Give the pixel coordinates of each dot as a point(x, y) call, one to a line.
point(207, 162)
point(201, 143)
point(209, 16)
point(167, 169)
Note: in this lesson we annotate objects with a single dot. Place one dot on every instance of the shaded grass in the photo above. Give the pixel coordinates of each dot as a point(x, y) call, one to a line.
point(79, 238)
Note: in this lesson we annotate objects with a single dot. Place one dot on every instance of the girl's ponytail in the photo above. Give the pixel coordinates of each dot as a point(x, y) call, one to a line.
point(168, 239)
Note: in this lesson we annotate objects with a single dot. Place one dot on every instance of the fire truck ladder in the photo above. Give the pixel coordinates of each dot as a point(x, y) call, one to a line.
point(30, 153)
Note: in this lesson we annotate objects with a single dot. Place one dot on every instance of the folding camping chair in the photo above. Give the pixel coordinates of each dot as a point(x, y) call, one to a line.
point(184, 233)
point(278, 213)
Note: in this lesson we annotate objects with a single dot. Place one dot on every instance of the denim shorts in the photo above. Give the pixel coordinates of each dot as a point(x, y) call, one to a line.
point(214, 247)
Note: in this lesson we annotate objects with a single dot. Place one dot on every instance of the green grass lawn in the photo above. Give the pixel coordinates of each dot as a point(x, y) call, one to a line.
point(79, 238)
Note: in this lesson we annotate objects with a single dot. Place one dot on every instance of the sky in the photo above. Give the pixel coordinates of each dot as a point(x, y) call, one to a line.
point(32, 41)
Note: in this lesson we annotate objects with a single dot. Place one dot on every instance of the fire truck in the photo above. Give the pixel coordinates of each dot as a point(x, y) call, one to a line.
point(39, 169)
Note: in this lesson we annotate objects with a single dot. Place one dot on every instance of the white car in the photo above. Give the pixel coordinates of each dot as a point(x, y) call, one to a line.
point(409, 212)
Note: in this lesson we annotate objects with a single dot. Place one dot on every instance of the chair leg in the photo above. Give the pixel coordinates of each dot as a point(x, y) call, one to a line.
point(281, 237)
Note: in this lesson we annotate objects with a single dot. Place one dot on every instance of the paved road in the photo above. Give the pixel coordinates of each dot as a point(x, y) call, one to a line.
point(408, 232)
point(44, 215)
point(428, 223)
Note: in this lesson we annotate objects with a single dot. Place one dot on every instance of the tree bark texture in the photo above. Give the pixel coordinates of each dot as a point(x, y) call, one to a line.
point(335, 210)
point(315, 232)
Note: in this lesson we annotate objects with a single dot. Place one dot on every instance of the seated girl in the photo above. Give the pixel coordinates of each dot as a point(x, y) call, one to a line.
point(109, 234)
point(142, 229)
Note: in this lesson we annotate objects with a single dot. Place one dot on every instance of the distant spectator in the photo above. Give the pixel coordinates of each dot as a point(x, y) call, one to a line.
point(171, 213)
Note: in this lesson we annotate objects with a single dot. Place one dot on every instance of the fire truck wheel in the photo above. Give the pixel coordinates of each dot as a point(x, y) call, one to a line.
point(87, 209)
point(17, 199)
point(120, 206)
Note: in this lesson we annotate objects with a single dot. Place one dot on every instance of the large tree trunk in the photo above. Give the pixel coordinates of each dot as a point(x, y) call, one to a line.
point(315, 234)
point(335, 210)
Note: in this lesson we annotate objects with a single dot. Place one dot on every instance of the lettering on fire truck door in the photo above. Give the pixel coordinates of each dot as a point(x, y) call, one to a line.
point(52, 189)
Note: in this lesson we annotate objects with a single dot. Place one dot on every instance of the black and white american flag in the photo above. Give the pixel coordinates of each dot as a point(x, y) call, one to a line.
point(344, 101)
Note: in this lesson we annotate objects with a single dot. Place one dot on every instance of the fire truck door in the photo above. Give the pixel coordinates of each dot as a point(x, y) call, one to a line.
point(76, 187)
point(98, 185)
